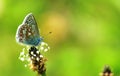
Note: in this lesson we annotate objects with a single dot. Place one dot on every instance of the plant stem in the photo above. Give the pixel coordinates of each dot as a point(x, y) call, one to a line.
point(43, 74)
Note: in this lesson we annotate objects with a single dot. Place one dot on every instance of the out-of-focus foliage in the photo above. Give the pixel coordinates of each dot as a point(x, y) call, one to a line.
point(85, 35)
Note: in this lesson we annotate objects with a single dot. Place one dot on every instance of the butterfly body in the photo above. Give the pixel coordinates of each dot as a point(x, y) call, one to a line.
point(28, 33)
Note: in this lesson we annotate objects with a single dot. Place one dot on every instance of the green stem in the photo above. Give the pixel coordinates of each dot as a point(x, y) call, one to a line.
point(43, 74)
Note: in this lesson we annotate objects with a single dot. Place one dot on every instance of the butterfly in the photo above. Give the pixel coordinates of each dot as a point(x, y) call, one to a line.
point(28, 32)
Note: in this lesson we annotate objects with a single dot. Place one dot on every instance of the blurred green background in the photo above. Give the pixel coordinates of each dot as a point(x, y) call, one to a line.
point(85, 36)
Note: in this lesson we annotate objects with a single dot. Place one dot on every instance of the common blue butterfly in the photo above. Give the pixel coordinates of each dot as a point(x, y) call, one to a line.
point(28, 33)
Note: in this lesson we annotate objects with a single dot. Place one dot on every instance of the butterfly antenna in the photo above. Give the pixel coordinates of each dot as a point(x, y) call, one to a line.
point(47, 34)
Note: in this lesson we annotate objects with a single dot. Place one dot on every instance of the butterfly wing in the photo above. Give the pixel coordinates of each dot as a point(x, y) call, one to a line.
point(27, 32)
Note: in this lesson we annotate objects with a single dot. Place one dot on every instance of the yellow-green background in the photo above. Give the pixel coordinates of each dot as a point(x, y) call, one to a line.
point(85, 36)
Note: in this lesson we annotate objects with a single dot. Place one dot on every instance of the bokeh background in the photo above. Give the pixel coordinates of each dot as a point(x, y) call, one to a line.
point(85, 36)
